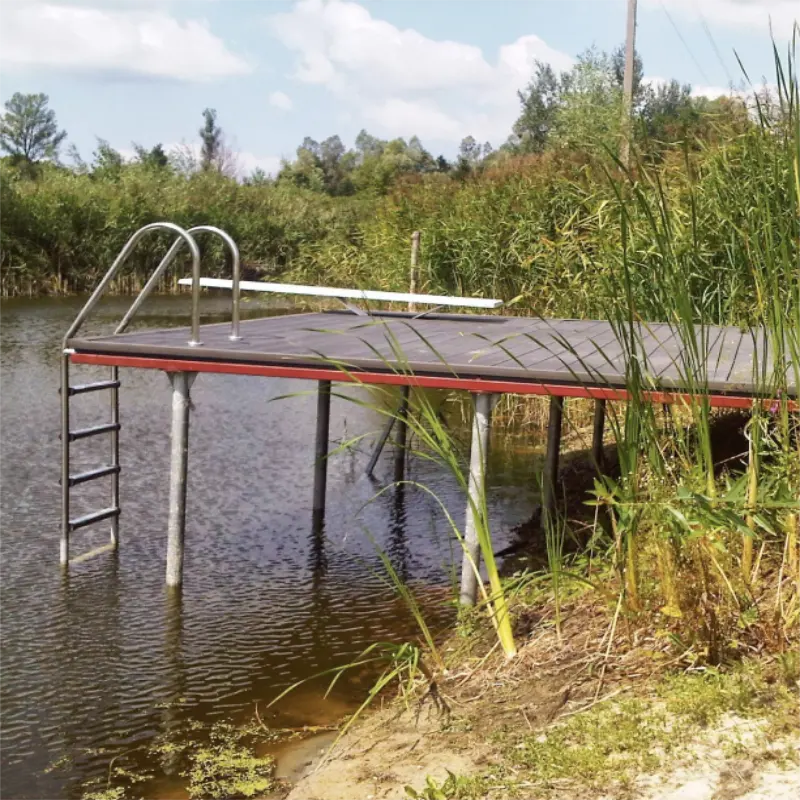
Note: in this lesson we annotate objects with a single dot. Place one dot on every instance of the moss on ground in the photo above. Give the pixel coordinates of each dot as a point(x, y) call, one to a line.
point(609, 746)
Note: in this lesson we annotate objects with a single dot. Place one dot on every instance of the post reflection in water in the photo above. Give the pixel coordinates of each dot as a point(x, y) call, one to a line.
point(91, 670)
point(176, 677)
point(397, 549)
point(318, 567)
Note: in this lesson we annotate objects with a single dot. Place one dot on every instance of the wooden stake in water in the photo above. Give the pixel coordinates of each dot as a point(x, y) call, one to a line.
point(412, 282)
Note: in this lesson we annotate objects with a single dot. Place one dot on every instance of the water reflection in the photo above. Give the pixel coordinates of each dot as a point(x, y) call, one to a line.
point(398, 548)
point(175, 687)
point(99, 662)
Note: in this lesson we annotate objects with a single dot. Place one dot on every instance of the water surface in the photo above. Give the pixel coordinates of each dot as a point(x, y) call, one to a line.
point(105, 659)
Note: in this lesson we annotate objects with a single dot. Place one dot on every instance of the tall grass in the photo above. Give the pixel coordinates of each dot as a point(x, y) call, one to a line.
point(699, 543)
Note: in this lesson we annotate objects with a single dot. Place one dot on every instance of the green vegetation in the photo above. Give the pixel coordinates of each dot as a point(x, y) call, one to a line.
point(535, 217)
point(695, 554)
point(219, 762)
point(607, 748)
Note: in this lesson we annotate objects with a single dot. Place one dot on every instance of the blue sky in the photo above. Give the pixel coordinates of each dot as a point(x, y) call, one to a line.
point(276, 71)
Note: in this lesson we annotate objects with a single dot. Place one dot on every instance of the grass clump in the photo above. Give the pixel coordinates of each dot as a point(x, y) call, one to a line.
point(613, 744)
point(610, 744)
point(453, 787)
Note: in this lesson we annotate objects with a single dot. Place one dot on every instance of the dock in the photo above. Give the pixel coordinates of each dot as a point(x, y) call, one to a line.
point(486, 355)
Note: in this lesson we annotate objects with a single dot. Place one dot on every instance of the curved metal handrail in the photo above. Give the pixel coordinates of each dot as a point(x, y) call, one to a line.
point(167, 260)
point(123, 257)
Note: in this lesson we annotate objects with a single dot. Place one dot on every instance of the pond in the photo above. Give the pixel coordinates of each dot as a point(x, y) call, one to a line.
point(103, 660)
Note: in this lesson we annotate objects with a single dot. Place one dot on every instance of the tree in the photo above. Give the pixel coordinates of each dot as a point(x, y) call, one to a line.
point(589, 117)
point(28, 129)
point(368, 145)
point(618, 72)
point(155, 158)
point(469, 156)
point(540, 104)
point(107, 162)
point(668, 112)
point(211, 137)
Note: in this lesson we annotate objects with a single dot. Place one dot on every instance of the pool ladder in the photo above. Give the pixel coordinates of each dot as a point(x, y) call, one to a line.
point(112, 469)
point(70, 525)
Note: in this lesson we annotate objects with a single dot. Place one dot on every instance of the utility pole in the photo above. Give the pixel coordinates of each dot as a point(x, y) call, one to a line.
point(627, 86)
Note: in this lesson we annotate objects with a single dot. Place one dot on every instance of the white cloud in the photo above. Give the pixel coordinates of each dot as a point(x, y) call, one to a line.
point(125, 41)
point(281, 100)
point(241, 163)
point(739, 13)
point(714, 92)
point(401, 82)
point(248, 162)
point(408, 118)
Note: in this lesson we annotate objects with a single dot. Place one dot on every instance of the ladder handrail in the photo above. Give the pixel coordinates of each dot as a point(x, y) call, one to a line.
point(123, 257)
point(167, 260)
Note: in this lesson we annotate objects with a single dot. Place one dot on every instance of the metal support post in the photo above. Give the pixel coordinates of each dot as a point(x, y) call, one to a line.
point(597, 434)
point(178, 469)
point(481, 426)
point(321, 446)
point(551, 458)
point(381, 443)
point(402, 436)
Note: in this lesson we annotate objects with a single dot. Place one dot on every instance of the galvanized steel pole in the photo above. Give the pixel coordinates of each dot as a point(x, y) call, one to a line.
point(402, 435)
point(481, 426)
point(598, 424)
point(321, 446)
point(179, 462)
point(551, 458)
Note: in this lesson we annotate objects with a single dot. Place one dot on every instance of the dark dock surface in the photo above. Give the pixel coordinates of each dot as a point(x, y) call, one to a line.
point(478, 353)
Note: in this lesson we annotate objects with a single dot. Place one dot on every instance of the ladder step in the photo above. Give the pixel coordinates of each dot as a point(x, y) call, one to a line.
point(105, 548)
point(90, 519)
point(82, 388)
point(84, 433)
point(91, 474)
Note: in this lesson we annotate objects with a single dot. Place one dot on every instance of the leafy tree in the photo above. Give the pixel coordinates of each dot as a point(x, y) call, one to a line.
point(107, 162)
point(155, 158)
point(258, 177)
point(590, 106)
point(470, 155)
point(367, 145)
point(306, 170)
point(668, 112)
point(540, 104)
point(336, 164)
point(212, 142)
point(28, 129)
point(618, 74)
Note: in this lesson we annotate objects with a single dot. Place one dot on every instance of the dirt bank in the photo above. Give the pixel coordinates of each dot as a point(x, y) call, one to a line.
point(569, 719)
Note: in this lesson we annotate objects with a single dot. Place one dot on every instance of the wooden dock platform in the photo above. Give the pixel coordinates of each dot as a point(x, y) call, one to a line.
point(494, 354)
point(484, 355)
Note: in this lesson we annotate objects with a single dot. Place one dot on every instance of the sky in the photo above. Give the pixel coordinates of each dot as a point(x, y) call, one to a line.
point(276, 71)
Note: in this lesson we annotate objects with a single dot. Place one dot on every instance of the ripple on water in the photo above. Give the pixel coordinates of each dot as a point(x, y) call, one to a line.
point(105, 659)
